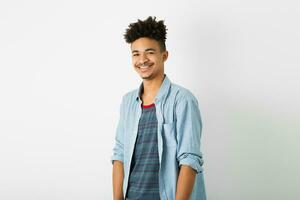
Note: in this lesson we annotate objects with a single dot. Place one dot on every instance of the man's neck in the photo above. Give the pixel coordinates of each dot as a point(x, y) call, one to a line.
point(151, 87)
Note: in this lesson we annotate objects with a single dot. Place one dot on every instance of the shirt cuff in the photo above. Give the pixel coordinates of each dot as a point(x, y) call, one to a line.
point(192, 161)
point(117, 157)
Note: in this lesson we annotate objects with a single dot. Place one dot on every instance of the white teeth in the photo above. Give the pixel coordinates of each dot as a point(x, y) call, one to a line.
point(144, 66)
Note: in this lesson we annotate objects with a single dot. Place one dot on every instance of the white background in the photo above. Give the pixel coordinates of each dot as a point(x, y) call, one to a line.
point(64, 67)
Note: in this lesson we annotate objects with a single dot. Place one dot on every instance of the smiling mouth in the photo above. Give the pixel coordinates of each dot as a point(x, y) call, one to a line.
point(145, 67)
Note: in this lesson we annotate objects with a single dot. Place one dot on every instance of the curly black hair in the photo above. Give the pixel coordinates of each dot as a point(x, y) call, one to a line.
point(149, 28)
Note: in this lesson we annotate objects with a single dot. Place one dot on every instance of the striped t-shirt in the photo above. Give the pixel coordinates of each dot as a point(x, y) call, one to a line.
point(143, 179)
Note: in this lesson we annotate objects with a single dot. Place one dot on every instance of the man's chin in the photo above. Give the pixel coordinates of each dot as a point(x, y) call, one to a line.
point(146, 77)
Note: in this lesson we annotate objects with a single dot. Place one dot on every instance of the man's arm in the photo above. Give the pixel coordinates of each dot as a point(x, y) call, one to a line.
point(189, 156)
point(118, 157)
point(185, 182)
point(118, 176)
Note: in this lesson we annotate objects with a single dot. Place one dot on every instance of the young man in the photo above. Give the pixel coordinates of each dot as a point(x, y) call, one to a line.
point(157, 148)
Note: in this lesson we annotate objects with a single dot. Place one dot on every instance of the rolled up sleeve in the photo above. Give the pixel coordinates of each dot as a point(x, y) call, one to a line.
point(189, 127)
point(118, 149)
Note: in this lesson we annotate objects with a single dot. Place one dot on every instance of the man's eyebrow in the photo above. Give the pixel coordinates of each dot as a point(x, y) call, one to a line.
point(150, 49)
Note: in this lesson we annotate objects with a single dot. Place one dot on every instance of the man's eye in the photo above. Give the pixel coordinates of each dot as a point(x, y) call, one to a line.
point(135, 54)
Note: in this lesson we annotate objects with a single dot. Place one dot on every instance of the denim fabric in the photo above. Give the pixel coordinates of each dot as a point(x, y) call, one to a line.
point(178, 135)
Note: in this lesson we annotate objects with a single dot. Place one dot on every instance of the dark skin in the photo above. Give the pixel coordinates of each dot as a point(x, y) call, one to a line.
point(118, 177)
point(185, 183)
point(148, 60)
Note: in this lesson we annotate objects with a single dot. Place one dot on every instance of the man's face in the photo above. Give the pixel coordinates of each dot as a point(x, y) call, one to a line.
point(148, 58)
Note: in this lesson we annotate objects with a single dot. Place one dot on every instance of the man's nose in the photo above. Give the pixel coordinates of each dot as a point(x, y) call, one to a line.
point(143, 58)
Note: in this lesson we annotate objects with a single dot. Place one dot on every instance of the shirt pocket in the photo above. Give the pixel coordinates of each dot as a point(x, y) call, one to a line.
point(169, 137)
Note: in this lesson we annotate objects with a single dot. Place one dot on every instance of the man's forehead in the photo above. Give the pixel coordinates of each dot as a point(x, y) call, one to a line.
point(141, 45)
point(145, 43)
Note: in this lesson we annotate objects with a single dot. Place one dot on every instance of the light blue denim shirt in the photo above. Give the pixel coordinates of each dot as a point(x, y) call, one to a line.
point(179, 134)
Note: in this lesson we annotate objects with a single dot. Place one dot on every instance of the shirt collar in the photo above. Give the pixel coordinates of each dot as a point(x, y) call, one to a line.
point(163, 90)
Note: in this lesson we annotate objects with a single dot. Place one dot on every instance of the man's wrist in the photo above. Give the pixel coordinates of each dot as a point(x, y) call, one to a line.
point(119, 197)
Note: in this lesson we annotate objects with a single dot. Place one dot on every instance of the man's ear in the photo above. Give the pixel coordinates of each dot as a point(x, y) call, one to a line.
point(165, 55)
